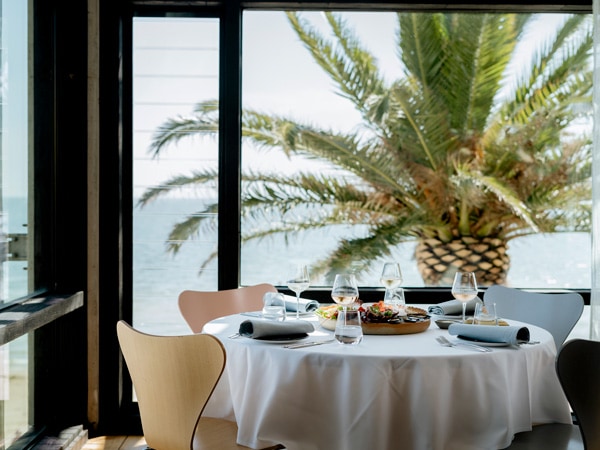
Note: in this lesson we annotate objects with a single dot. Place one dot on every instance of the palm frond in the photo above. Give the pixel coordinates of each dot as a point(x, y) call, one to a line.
point(203, 121)
point(351, 67)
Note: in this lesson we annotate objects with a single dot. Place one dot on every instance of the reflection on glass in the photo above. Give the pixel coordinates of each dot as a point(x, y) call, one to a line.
point(175, 64)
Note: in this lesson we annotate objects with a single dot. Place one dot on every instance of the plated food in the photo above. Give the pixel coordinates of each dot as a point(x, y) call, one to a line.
point(380, 318)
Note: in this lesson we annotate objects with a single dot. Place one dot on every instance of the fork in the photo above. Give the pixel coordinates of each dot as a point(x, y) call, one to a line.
point(446, 343)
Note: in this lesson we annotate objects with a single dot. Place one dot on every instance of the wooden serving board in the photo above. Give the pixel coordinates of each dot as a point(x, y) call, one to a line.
point(396, 328)
point(386, 328)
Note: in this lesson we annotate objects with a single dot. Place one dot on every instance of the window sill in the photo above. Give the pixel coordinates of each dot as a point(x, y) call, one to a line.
point(22, 318)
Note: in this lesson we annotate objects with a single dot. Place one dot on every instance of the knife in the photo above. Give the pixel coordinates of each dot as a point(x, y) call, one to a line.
point(308, 344)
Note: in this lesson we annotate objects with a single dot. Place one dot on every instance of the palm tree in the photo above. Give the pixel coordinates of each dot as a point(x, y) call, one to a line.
point(447, 155)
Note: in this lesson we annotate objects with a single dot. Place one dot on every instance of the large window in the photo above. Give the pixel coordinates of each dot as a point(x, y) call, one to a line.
point(353, 154)
point(363, 145)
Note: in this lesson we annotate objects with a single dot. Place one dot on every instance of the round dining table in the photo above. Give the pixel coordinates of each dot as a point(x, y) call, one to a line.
point(388, 392)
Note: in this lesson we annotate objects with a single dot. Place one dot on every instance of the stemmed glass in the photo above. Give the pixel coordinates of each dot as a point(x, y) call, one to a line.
point(299, 282)
point(464, 288)
point(344, 290)
point(391, 278)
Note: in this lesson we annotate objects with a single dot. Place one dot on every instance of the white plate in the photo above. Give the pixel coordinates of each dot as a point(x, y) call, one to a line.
point(281, 340)
point(483, 343)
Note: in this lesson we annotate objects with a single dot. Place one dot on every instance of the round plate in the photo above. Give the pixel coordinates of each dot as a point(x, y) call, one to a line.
point(483, 343)
point(445, 323)
point(281, 339)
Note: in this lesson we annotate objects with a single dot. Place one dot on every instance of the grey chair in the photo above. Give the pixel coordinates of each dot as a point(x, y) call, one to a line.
point(578, 369)
point(556, 312)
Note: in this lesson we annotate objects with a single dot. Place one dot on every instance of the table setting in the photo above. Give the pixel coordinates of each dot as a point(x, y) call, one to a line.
point(468, 319)
point(430, 386)
point(421, 387)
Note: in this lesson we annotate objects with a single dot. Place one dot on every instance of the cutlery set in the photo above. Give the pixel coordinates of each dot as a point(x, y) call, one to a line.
point(440, 339)
point(308, 344)
point(446, 343)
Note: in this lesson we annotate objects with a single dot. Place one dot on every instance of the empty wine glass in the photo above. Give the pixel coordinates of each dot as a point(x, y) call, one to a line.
point(464, 288)
point(344, 290)
point(391, 278)
point(298, 282)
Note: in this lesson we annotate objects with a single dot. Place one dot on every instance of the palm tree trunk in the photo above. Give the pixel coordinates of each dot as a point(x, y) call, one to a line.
point(438, 261)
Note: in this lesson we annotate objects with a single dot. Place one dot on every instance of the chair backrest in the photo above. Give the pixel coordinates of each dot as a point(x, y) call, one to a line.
point(556, 312)
point(200, 307)
point(173, 378)
point(578, 369)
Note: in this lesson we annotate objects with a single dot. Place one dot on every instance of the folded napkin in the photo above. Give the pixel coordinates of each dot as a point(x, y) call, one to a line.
point(453, 307)
point(512, 335)
point(261, 329)
point(306, 305)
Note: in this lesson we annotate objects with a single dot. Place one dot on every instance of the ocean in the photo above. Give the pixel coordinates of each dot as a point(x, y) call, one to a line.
point(560, 260)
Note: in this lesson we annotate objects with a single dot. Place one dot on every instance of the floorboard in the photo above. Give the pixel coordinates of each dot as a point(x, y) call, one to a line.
point(115, 443)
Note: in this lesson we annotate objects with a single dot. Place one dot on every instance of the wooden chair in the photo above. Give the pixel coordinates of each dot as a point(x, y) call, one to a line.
point(173, 378)
point(558, 313)
point(578, 369)
point(200, 307)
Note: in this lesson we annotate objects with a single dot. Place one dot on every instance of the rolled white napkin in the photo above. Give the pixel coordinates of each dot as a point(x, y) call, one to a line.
point(453, 307)
point(306, 305)
point(512, 335)
point(260, 328)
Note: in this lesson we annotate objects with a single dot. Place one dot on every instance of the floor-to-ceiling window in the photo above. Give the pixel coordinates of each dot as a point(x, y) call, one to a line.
point(177, 97)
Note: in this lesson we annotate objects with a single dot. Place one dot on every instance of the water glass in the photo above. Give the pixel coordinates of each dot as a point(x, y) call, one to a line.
point(274, 306)
point(347, 328)
point(485, 314)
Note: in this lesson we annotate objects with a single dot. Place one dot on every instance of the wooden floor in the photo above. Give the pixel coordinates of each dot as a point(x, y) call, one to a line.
point(115, 443)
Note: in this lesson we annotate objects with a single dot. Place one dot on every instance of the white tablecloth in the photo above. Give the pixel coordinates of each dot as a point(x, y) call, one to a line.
point(389, 392)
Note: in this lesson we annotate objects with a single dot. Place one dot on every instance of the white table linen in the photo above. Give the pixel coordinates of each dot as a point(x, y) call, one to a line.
point(389, 392)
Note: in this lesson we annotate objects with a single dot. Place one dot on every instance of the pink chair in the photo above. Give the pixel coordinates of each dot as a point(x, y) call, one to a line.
point(200, 307)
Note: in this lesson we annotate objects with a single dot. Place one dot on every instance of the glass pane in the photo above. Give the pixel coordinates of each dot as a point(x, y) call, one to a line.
point(14, 147)
point(377, 143)
point(15, 226)
point(175, 65)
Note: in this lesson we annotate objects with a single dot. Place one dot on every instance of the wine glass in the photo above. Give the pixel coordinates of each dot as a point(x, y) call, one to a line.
point(344, 290)
point(464, 288)
point(298, 282)
point(391, 278)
